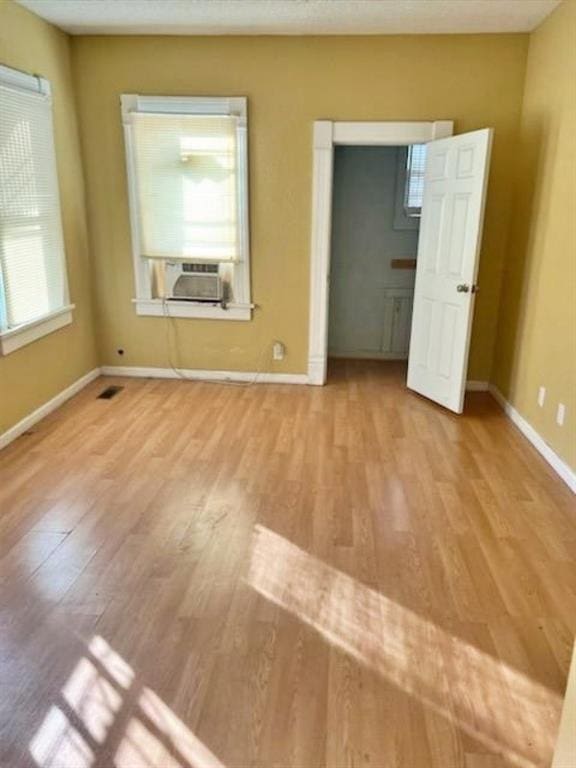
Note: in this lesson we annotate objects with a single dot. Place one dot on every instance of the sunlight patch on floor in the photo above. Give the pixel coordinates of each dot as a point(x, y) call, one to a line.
point(495, 704)
point(57, 743)
point(105, 717)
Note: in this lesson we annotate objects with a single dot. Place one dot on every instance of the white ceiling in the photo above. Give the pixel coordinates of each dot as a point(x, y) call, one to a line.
point(291, 17)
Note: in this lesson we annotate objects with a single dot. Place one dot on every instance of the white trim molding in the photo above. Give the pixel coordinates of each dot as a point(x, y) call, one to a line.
point(174, 309)
point(320, 250)
point(16, 78)
point(390, 134)
point(194, 374)
point(33, 418)
point(326, 135)
point(14, 338)
point(548, 454)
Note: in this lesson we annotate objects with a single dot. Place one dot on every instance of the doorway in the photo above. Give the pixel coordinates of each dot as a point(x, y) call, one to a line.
point(453, 203)
point(376, 206)
point(327, 137)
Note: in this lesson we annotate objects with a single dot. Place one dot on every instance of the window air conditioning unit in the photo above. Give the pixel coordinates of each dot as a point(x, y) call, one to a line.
point(186, 281)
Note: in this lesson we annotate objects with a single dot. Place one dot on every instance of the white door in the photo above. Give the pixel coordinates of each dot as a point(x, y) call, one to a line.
point(448, 251)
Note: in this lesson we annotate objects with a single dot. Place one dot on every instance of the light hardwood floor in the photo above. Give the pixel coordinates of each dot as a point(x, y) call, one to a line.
point(196, 575)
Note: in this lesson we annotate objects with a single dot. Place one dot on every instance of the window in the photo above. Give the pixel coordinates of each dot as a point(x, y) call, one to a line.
point(409, 186)
point(414, 188)
point(33, 286)
point(188, 189)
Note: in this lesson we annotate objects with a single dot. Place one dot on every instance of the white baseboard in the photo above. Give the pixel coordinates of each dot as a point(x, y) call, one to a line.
point(34, 417)
point(558, 465)
point(477, 386)
point(201, 375)
point(195, 374)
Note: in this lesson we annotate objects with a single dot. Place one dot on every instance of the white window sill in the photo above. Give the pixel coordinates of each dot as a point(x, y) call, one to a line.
point(14, 338)
point(159, 308)
point(403, 221)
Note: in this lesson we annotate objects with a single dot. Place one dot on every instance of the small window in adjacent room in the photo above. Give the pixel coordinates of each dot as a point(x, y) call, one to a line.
point(409, 186)
point(33, 283)
point(188, 187)
point(414, 188)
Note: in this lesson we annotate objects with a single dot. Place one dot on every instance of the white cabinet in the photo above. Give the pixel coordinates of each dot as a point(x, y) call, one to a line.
point(397, 321)
point(377, 329)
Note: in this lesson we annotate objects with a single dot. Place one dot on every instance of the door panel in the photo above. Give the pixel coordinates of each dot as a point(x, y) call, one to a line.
point(432, 253)
point(448, 252)
point(458, 229)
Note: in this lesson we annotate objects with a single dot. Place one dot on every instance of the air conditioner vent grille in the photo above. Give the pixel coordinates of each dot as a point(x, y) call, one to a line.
point(201, 268)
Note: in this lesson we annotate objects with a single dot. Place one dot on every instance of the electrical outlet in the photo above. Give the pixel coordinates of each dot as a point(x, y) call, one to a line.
point(560, 414)
point(541, 396)
point(278, 350)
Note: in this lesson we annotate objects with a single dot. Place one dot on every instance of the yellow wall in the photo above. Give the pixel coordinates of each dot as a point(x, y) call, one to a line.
point(476, 80)
point(537, 324)
point(36, 373)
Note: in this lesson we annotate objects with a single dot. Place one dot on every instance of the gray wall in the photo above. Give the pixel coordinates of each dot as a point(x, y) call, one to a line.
point(367, 297)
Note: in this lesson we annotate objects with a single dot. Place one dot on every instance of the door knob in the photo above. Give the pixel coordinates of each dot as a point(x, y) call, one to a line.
point(463, 288)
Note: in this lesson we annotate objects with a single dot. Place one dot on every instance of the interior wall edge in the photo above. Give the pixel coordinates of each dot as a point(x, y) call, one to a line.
point(48, 407)
point(38, 372)
point(536, 332)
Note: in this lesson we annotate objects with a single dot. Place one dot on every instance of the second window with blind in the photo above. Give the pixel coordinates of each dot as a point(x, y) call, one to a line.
point(34, 297)
point(187, 164)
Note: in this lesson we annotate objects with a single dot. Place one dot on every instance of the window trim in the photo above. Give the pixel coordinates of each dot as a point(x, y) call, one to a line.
point(144, 303)
point(19, 336)
point(15, 78)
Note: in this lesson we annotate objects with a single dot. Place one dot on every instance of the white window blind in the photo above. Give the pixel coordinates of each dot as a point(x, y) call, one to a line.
point(186, 177)
point(415, 167)
point(32, 273)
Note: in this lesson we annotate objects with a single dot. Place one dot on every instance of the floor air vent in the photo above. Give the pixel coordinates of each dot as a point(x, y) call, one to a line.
point(109, 393)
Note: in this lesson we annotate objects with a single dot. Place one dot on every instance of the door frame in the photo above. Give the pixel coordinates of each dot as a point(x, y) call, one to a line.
point(328, 134)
